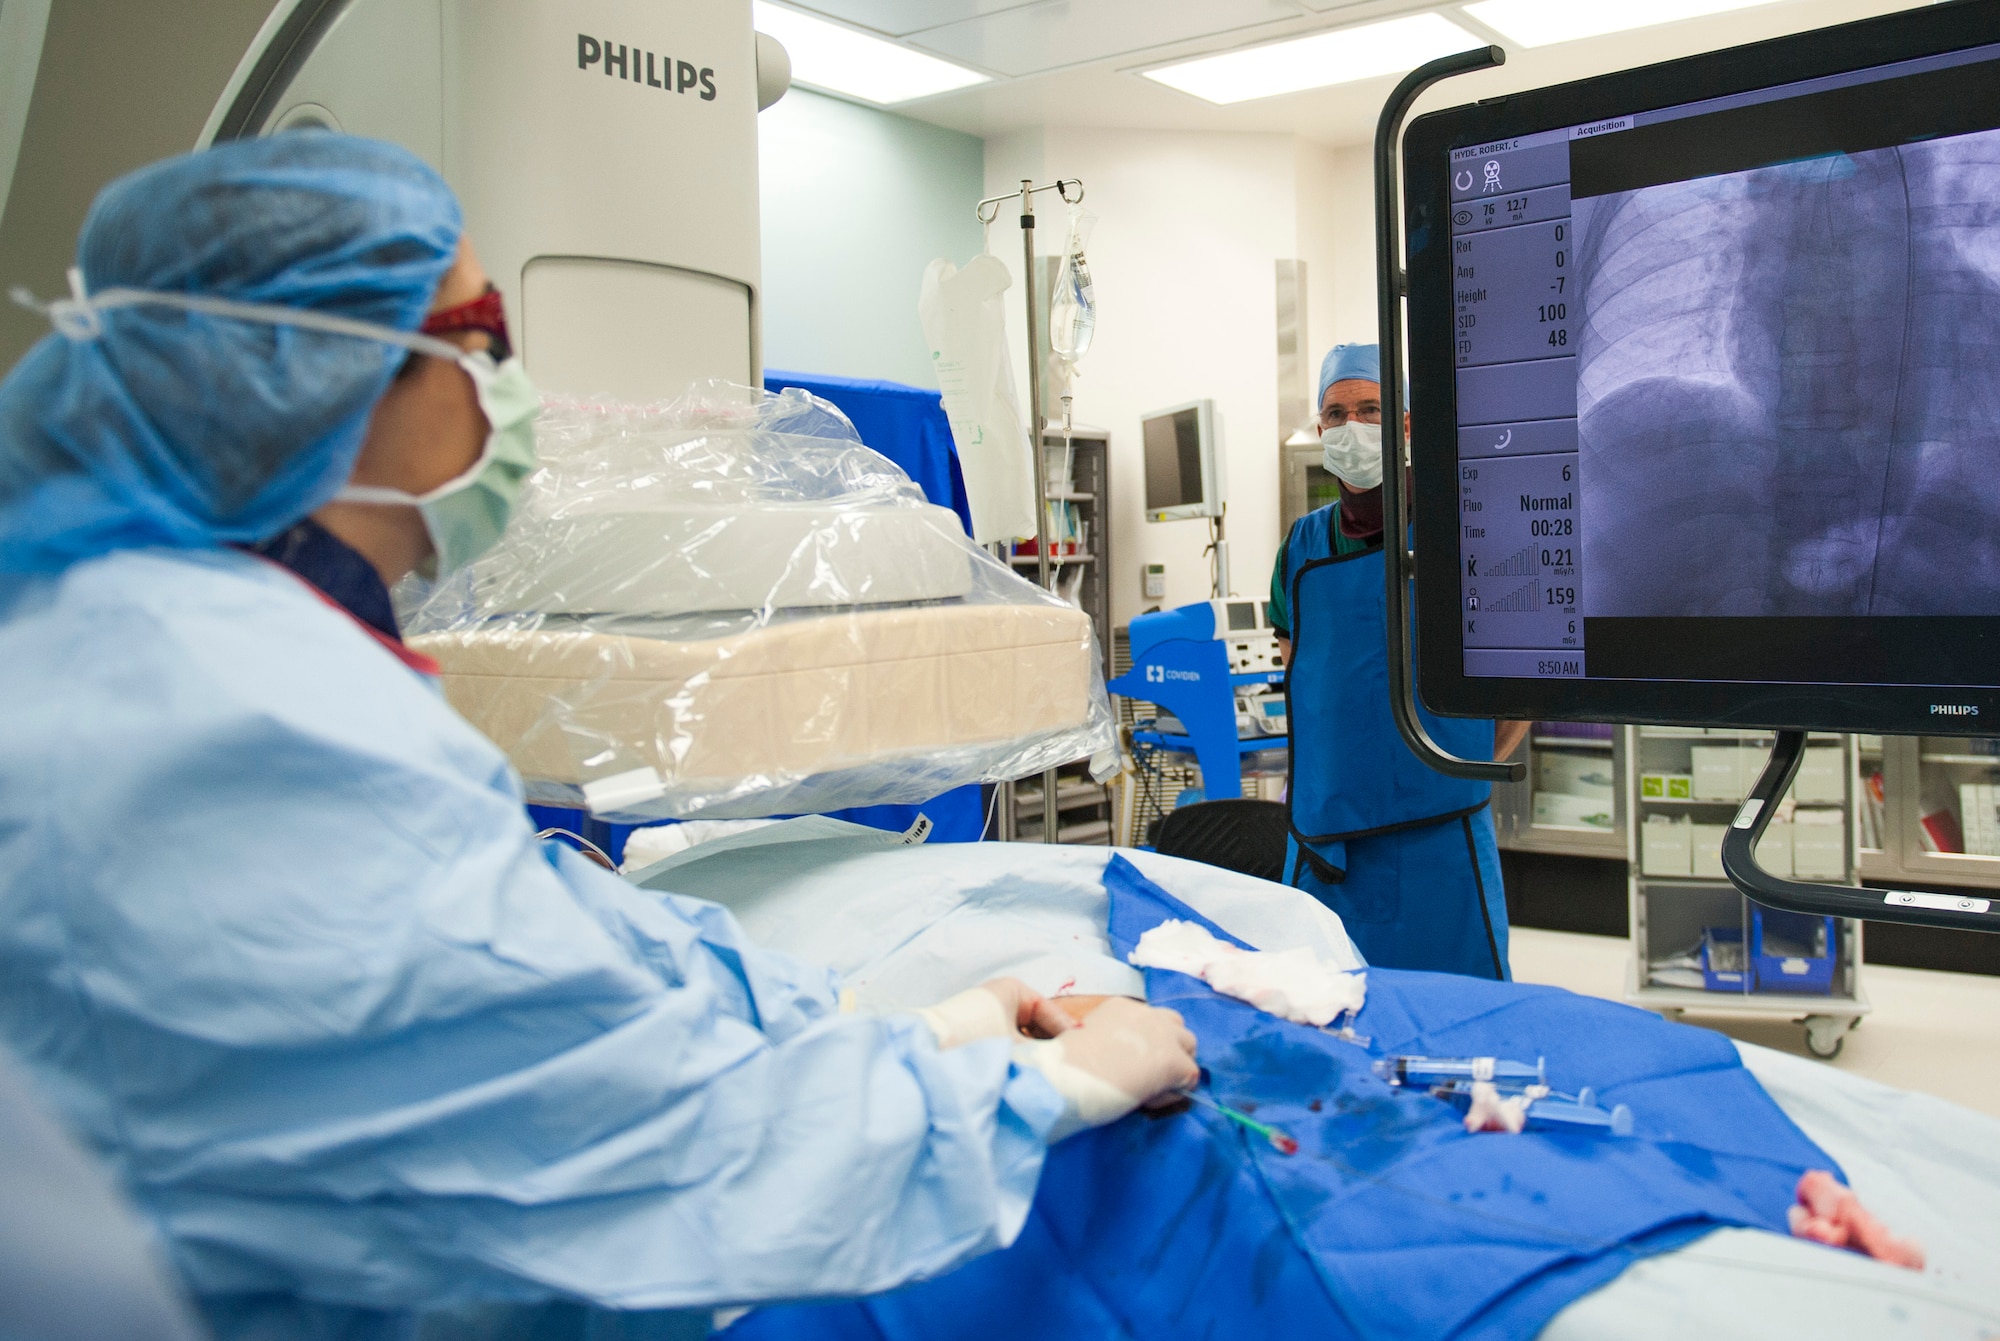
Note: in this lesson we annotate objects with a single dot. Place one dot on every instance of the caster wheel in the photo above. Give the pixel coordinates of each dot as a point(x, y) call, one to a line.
point(1825, 1034)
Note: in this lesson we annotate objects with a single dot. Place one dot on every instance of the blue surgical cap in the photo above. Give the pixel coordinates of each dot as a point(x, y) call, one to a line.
point(1345, 362)
point(181, 429)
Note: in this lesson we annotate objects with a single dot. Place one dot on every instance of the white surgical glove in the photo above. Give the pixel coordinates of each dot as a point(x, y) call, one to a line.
point(1001, 1008)
point(1123, 1055)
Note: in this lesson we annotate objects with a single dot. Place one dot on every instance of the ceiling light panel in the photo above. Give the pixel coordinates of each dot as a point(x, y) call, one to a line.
point(1342, 56)
point(840, 60)
point(1042, 37)
point(900, 18)
point(1540, 23)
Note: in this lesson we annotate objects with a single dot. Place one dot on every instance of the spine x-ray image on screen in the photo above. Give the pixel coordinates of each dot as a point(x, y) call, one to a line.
point(1788, 383)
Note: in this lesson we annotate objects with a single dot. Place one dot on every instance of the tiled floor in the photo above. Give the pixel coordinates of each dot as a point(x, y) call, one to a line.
point(1934, 1032)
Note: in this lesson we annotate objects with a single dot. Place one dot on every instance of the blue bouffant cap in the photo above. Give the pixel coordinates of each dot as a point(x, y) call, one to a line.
point(183, 429)
point(1348, 362)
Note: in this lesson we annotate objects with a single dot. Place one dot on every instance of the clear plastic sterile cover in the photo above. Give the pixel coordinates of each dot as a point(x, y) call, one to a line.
point(726, 606)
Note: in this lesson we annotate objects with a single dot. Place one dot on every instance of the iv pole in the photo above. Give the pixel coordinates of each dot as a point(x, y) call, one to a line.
point(987, 211)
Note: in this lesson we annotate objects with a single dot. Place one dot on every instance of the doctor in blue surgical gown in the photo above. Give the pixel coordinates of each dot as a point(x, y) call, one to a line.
point(275, 936)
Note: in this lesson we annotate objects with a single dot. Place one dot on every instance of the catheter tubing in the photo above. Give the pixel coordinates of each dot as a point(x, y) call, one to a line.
point(1390, 284)
point(1967, 912)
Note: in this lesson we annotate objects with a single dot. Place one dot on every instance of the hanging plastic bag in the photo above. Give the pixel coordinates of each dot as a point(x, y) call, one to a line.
point(1073, 309)
point(965, 327)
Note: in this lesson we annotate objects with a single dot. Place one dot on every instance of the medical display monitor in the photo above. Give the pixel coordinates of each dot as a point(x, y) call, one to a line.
point(1706, 403)
point(1183, 466)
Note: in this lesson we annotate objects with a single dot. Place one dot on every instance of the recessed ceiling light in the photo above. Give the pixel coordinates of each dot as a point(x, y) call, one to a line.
point(1538, 23)
point(840, 60)
point(1345, 54)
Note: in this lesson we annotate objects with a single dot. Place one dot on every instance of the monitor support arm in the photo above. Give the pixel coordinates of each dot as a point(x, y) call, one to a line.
point(1390, 286)
point(1739, 863)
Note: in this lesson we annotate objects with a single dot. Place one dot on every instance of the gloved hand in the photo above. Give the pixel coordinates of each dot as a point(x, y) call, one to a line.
point(1124, 1055)
point(1002, 1008)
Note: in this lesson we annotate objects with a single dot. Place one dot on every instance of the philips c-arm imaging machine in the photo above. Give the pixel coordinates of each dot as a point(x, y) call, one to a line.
point(641, 627)
point(1705, 367)
point(605, 154)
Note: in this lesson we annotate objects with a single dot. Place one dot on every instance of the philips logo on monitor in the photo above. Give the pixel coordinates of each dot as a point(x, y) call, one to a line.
point(1954, 710)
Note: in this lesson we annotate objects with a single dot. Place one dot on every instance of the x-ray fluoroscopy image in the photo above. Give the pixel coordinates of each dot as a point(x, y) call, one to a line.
point(1789, 388)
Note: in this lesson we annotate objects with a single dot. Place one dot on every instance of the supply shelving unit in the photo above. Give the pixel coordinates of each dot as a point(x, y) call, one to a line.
point(1694, 936)
point(1922, 814)
point(1082, 808)
point(1572, 801)
point(1082, 494)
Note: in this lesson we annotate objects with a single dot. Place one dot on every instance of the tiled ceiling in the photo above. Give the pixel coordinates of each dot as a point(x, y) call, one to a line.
point(1076, 62)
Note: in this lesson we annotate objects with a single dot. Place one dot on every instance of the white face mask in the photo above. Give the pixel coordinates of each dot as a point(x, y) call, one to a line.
point(467, 514)
point(1354, 454)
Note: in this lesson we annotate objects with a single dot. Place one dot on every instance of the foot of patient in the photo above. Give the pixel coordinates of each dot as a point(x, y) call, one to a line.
point(1830, 1213)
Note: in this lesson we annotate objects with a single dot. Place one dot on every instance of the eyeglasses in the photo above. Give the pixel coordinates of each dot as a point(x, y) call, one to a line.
point(483, 313)
point(1335, 416)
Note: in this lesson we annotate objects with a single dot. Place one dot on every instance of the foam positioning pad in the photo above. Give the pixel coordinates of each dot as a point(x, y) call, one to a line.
point(789, 699)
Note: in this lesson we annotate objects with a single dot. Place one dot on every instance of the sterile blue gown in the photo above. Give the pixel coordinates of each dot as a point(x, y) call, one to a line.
point(1405, 855)
point(276, 936)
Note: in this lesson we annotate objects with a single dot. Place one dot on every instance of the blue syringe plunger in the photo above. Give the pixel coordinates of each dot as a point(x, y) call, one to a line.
point(1432, 1071)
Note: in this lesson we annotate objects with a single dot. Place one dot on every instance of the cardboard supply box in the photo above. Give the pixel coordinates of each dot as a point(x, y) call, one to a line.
point(1819, 845)
point(1574, 774)
point(1666, 786)
point(1979, 817)
point(1774, 849)
point(1821, 776)
point(1565, 811)
point(1707, 841)
point(1718, 772)
point(1666, 846)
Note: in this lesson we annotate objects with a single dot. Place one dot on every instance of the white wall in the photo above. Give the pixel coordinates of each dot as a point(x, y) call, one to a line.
point(1336, 223)
point(856, 202)
point(1184, 260)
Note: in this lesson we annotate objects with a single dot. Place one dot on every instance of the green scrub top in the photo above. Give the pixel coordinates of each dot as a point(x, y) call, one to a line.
point(1279, 608)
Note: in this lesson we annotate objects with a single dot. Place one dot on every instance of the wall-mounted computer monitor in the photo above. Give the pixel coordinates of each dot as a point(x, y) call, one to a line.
point(1706, 387)
point(1184, 470)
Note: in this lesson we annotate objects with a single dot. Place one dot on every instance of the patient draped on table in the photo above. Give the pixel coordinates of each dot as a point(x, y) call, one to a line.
point(1391, 1219)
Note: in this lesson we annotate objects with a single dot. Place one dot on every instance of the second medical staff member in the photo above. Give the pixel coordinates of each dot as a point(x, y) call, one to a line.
point(276, 936)
point(1405, 855)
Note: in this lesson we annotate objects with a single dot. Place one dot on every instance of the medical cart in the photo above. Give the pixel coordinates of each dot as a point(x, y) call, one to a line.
point(1697, 943)
point(1204, 686)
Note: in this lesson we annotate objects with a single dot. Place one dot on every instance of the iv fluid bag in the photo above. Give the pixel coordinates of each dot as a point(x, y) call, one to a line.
point(1073, 310)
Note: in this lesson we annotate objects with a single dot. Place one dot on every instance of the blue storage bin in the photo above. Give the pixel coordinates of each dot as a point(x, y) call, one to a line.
point(1792, 952)
point(1723, 965)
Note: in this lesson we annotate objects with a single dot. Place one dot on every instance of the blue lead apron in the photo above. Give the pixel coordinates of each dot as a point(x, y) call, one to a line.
point(1406, 856)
